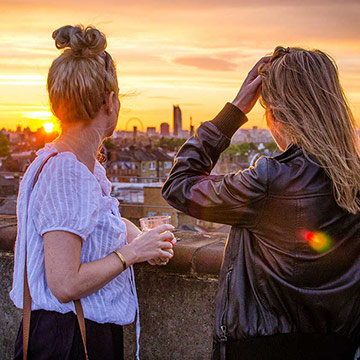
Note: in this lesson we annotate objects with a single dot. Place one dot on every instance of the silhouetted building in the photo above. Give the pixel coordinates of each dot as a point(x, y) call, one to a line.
point(135, 134)
point(151, 130)
point(177, 120)
point(164, 129)
point(254, 135)
point(192, 130)
point(191, 127)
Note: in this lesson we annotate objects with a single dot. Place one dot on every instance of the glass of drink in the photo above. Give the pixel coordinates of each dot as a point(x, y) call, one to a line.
point(151, 222)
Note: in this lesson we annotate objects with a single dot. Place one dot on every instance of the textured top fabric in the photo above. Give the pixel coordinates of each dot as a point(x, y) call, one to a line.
point(68, 197)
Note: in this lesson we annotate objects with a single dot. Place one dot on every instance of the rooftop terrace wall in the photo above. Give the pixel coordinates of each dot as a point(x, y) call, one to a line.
point(176, 302)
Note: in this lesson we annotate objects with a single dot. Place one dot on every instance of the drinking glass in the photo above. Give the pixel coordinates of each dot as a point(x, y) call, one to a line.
point(151, 222)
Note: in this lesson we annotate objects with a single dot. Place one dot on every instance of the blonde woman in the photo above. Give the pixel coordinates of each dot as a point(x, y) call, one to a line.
point(290, 280)
point(78, 246)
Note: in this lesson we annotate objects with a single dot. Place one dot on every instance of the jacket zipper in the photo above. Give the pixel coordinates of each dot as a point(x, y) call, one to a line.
point(223, 329)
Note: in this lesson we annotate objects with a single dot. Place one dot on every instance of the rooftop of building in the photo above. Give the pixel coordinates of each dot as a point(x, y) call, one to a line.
point(138, 154)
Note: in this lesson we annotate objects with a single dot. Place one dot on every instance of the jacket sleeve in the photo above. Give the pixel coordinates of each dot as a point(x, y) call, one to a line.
point(235, 198)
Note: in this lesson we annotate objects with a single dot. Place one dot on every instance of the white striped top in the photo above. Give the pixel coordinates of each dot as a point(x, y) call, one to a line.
point(67, 196)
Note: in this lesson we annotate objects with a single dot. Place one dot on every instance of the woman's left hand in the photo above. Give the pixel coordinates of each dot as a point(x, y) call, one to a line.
point(133, 231)
point(250, 89)
point(162, 261)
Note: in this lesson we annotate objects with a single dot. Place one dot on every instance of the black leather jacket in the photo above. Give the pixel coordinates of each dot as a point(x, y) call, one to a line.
point(272, 281)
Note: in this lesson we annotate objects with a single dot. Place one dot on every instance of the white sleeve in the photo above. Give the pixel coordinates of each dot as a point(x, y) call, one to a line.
point(66, 197)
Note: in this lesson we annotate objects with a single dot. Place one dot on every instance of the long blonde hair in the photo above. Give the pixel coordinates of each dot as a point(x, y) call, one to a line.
point(301, 89)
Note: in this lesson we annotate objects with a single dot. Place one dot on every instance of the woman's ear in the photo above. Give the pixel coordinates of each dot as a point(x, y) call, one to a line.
point(109, 103)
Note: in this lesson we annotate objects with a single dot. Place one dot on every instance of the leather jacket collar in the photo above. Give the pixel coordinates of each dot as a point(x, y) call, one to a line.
point(291, 151)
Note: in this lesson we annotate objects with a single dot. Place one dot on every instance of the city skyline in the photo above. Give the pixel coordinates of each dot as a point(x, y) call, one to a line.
point(192, 54)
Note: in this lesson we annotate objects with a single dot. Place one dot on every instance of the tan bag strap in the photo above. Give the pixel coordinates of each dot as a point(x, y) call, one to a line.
point(27, 296)
point(81, 321)
point(26, 312)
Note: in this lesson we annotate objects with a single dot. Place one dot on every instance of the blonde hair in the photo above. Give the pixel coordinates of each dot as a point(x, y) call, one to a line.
point(301, 89)
point(79, 79)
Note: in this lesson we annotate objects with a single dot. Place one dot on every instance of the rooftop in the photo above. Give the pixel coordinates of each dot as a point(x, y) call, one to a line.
point(134, 153)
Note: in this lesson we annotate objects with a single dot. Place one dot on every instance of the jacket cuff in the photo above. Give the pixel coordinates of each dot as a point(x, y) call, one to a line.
point(229, 119)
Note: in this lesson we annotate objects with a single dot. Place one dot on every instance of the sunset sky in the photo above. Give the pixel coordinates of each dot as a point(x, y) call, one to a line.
point(192, 53)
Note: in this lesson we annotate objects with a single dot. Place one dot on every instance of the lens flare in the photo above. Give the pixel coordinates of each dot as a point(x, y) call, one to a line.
point(49, 127)
point(318, 241)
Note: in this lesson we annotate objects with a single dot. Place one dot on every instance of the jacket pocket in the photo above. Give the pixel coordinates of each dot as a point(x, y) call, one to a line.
point(223, 322)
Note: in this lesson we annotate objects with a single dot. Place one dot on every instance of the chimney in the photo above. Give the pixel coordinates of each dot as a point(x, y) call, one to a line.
point(113, 156)
point(191, 127)
point(134, 134)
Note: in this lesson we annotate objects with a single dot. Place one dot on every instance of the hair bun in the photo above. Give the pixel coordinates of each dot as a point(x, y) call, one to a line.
point(82, 41)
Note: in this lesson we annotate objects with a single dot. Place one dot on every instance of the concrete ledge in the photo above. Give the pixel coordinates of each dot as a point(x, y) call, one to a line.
point(177, 301)
point(195, 253)
point(193, 250)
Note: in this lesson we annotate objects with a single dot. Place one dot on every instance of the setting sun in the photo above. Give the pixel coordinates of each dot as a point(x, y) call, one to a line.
point(49, 127)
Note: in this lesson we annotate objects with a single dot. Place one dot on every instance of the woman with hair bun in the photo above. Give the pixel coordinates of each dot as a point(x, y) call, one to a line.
point(289, 286)
point(72, 242)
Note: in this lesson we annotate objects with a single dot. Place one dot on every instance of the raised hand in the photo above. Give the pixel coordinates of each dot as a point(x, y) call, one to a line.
point(250, 89)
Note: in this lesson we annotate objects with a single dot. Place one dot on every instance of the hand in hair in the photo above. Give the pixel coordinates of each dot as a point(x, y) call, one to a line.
point(250, 89)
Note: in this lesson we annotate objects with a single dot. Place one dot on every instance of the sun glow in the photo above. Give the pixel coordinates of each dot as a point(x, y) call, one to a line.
point(38, 115)
point(49, 127)
point(189, 61)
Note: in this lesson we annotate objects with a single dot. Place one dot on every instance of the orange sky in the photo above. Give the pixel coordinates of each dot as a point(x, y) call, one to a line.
point(186, 52)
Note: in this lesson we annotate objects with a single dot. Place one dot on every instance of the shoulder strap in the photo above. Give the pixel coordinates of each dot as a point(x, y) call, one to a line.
point(27, 296)
point(81, 321)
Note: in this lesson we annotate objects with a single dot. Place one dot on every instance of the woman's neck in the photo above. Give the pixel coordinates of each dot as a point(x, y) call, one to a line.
point(83, 142)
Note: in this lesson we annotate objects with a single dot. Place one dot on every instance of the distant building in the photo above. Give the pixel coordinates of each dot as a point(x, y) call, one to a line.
point(192, 132)
point(191, 127)
point(120, 135)
point(138, 164)
point(254, 135)
point(164, 129)
point(151, 130)
point(184, 134)
point(177, 120)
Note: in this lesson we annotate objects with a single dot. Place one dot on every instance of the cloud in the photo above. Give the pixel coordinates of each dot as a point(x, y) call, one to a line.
point(206, 63)
point(184, 52)
point(185, 4)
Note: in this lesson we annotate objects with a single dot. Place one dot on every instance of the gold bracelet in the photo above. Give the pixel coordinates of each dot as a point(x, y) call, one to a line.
point(121, 257)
